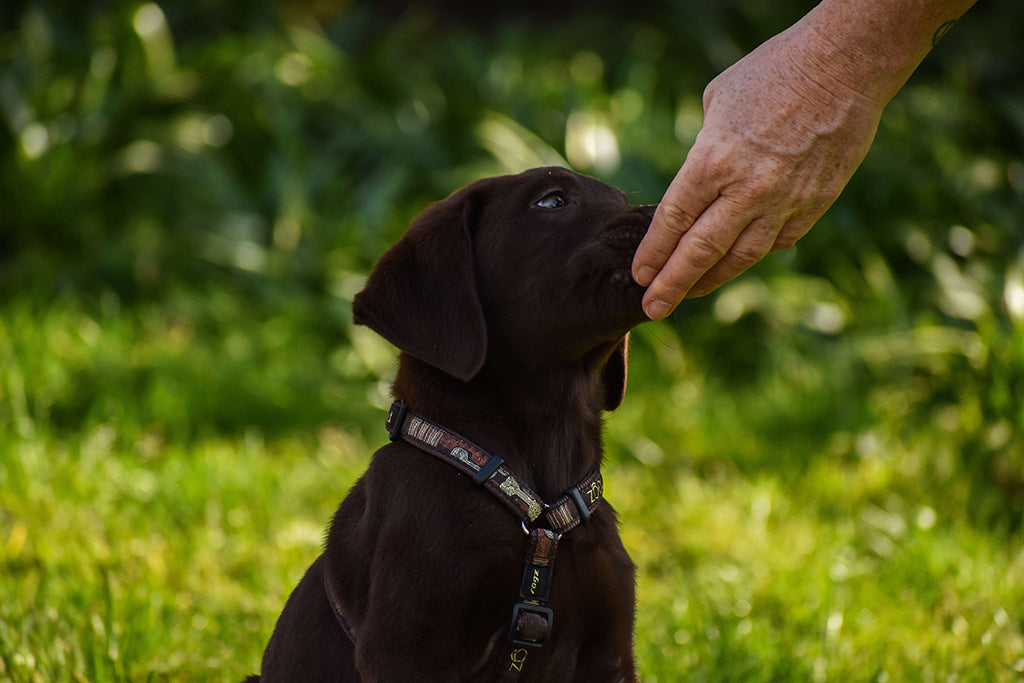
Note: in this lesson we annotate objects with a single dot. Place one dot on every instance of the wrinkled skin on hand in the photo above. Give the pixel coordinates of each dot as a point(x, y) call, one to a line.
point(784, 130)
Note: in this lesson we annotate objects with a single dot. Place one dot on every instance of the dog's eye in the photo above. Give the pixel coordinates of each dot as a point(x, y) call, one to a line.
point(554, 200)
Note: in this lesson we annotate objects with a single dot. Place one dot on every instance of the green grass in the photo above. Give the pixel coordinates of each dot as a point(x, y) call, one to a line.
point(144, 540)
point(819, 469)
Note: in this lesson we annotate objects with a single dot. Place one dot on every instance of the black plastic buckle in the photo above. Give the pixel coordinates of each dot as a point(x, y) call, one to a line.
point(577, 498)
point(489, 468)
point(396, 418)
point(520, 639)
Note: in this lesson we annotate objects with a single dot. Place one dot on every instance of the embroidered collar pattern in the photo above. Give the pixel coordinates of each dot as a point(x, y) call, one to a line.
point(489, 471)
point(531, 623)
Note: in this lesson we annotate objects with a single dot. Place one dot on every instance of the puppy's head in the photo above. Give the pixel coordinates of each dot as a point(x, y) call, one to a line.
point(532, 268)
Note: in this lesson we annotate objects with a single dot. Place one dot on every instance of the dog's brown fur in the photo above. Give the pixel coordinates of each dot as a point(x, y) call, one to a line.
point(510, 301)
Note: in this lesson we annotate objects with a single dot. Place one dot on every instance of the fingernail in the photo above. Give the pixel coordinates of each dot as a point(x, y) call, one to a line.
point(656, 309)
point(644, 275)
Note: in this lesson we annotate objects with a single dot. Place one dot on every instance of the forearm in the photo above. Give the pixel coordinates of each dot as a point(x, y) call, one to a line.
point(784, 129)
point(873, 46)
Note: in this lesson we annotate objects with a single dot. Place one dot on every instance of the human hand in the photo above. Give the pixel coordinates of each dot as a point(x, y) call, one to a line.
point(781, 138)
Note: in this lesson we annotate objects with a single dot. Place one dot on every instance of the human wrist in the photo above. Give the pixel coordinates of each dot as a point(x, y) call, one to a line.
point(871, 47)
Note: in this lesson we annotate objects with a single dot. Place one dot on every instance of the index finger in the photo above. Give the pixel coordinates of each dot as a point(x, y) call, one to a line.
point(697, 252)
point(686, 198)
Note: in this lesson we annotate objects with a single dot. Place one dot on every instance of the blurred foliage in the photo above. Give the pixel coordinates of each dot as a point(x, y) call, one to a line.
point(192, 192)
point(269, 152)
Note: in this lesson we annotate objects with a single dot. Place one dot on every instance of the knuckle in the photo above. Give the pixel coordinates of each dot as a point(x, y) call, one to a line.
point(704, 252)
point(677, 218)
point(763, 184)
point(754, 243)
point(744, 256)
point(793, 231)
point(785, 242)
point(671, 289)
point(709, 93)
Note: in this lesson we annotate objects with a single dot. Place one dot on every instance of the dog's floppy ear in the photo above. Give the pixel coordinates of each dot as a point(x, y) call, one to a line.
point(613, 377)
point(422, 295)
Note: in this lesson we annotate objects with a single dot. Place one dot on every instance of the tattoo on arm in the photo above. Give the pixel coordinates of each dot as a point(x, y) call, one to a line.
point(942, 31)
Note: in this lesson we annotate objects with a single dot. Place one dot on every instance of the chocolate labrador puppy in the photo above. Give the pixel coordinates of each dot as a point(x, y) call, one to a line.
point(510, 302)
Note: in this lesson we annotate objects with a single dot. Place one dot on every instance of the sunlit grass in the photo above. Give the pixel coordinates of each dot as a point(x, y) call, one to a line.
point(819, 469)
point(130, 552)
point(745, 580)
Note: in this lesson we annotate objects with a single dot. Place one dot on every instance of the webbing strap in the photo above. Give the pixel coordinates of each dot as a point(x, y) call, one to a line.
point(574, 507)
point(532, 620)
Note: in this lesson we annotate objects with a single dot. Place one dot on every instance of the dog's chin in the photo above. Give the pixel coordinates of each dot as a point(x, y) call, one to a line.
point(603, 277)
point(621, 278)
point(620, 298)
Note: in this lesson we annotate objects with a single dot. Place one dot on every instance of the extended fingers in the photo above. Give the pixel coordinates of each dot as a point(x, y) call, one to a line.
point(756, 241)
point(762, 237)
point(706, 243)
point(670, 223)
point(686, 199)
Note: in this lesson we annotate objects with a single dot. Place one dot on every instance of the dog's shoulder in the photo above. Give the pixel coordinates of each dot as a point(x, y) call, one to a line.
point(406, 490)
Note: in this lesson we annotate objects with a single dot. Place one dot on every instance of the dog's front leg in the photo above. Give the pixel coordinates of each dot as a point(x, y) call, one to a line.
point(414, 628)
point(307, 643)
point(433, 605)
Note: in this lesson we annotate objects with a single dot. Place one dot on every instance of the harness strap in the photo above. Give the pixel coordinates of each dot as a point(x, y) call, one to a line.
point(574, 507)
point(531, 623)
point(532, 620)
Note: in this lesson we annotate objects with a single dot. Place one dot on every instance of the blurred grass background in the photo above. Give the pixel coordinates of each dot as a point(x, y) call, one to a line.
point(819, 468)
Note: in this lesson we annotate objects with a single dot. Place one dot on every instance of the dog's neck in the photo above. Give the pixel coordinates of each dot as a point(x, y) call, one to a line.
point(546, 425)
